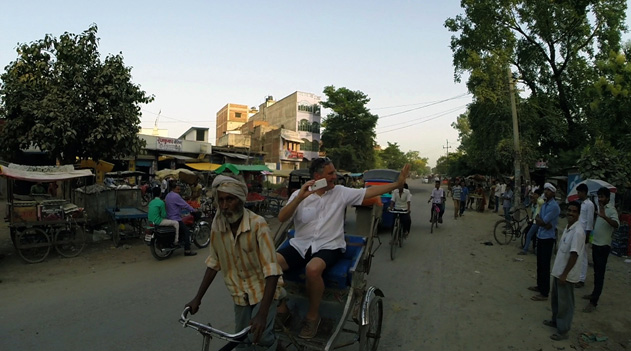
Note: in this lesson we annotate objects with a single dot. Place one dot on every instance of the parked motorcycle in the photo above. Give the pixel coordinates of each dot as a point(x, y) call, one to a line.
point(160, 238)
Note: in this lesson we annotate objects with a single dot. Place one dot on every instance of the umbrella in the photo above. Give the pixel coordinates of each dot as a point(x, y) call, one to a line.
point(592, 187)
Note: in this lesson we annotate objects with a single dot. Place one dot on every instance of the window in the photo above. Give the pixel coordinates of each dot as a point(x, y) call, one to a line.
point(315, 127)
point(200, 135)
point(237, 115)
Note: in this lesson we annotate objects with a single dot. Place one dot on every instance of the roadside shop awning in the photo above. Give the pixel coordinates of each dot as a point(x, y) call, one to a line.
point(236, 169)
point(177, 157)
point(233, 155)
point(43, 173)
point(203, 166)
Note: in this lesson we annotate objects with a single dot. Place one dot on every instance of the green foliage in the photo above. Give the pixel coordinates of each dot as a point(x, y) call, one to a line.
point(349, 131)
point(417, 163)
point(392, 157)
point(58, 96)
point(603, 161)
point(552, 47)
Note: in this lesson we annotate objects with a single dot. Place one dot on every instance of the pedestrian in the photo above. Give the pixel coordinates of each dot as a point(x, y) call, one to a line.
point(565, 273)
point(546, 237)
point(498, 195)
point(507, 202)
point(586, 219)
point(607, 222)
point(241, 247)
point(536, 201)
point(464, 196)
point(456, 193)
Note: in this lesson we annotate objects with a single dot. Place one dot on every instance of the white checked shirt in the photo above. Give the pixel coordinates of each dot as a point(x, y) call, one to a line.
point(319, 220)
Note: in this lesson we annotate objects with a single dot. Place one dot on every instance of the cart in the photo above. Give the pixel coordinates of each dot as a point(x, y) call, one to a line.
point(121, 217)
point(351, 311)
point(39, 222)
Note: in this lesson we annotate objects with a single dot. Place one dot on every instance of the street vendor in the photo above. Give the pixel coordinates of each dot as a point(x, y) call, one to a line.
point(38, 189)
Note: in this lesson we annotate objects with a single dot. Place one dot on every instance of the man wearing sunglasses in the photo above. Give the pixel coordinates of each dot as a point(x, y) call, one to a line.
point(318, 243)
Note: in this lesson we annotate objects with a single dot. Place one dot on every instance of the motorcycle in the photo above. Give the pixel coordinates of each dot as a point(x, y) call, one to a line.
point(160, 238)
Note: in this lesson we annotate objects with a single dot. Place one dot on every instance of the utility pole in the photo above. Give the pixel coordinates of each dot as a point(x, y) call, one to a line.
point(516, 144)
point(447, 147)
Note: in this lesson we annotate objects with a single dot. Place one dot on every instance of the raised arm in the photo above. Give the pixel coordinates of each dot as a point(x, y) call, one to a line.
point(386, 188)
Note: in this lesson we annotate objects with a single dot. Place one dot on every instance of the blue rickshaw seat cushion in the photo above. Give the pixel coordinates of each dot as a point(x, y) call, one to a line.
point(339, 276)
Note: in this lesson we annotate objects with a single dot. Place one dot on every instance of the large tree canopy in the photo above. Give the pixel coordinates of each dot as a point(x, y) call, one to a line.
point(552, 48)
point(58, 96)
point(349, 130)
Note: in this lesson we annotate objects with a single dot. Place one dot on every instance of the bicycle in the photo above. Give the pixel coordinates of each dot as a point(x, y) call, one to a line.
point(397, 232)
point(435, 217)
point(505, 231)
point(208, 332)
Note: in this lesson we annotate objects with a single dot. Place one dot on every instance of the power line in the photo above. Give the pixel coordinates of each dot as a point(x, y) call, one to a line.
point(425, 120)
point(426, 105)
point(418, 103)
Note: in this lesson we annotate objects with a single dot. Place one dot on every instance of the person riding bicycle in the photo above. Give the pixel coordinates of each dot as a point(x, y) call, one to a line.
point(401, 199)
point(437, 197)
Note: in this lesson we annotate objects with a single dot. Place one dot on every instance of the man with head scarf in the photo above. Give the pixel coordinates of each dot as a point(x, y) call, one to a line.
point(242, 248)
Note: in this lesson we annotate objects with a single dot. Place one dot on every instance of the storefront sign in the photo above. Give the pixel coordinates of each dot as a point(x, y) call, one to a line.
point(292, 155)
point(169, 144)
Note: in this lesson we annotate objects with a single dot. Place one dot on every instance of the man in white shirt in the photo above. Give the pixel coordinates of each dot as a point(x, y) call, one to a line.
point(566, 273)
point(319, 237)
point(498, 195)
point(401, 199)
point(437, 197)
point(586, 219)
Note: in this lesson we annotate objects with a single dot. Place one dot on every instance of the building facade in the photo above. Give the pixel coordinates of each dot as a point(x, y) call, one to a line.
point(230, 117)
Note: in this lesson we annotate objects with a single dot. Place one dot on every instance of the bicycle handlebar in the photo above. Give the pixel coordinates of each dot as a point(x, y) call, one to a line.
point(207, 329)
point(398, 211)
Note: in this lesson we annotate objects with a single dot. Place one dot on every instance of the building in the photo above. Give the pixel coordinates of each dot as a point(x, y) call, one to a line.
point(231, 117)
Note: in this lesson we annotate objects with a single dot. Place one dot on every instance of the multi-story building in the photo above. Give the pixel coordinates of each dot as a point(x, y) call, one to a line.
point(294, 134)
point(230, 117)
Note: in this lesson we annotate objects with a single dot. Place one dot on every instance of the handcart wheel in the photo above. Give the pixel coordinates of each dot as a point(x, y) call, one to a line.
point(372, 311)
point(69, 242)
point(33, 244)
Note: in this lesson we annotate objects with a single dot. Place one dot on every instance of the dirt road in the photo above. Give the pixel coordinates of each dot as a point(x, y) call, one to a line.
point(444, 291)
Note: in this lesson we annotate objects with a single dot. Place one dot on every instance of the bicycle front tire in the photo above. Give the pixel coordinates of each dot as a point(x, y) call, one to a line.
point(394, 239)
point(503, 232)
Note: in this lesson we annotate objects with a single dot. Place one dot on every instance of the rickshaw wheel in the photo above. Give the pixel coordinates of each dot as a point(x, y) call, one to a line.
point(38, 241)
point(370, 333)
point(70, 242)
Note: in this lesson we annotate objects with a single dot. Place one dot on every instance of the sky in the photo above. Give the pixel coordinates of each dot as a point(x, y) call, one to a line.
point(197, 56)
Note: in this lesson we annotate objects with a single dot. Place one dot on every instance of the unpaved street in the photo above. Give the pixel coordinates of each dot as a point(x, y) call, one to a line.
point(444, 291)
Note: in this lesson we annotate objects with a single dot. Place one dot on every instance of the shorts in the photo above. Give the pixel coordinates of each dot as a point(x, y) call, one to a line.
point(296, 262)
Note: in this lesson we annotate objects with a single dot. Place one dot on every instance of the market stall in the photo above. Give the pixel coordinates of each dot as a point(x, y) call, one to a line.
point(39, 219)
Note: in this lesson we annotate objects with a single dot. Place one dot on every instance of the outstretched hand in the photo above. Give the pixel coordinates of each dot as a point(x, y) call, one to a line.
point(403, 175)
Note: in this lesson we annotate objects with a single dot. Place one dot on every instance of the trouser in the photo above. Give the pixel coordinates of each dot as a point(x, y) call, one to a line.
point(584, 261)
point(406, 221)
point(531, 232)
point(456, 207)
point(186, 234)
point(562, 304)
point(462, 206)
point(497, 203)
point(544, 255)
point(507, 213)
point(171, 223)
point(242, 317)
point(600, 254)
point(442, 210)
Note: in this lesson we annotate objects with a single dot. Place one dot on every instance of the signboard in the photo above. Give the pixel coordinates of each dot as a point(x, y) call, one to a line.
point(292, 155)
point(168, 144)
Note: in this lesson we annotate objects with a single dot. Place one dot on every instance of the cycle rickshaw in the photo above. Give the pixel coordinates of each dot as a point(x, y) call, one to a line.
point(351, 310)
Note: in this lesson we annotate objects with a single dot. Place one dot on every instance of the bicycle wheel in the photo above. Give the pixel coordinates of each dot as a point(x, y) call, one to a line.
point(33, 244)
point(394, 240)
point(70, 242)
point(433, 222)
point(201, 236)
point(503, 232)
point(370, 334)
point(523, 238)
point(399, 232)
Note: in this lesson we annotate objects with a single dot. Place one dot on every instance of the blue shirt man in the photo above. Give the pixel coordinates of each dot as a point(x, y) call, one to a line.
point(464, 194)
point(547, 221)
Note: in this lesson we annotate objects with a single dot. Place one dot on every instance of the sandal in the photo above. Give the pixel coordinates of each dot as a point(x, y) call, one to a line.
point(558, 337)
point(533, 288)
point(539, 298)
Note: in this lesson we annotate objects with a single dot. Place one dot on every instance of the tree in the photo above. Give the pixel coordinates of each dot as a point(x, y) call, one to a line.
point(417, 163)
point(392, 157)
point(349, 130)
point(58, 96)
point(552, 47)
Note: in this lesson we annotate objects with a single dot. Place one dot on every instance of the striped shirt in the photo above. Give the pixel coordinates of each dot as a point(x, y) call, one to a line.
point(245, 259)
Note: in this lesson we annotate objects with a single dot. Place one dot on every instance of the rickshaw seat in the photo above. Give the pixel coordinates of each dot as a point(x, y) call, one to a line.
point(340, 275)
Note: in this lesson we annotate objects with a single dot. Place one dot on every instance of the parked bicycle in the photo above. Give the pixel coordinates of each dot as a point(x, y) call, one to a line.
point(397, 235)
point(505, 231)
point(208, 332)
